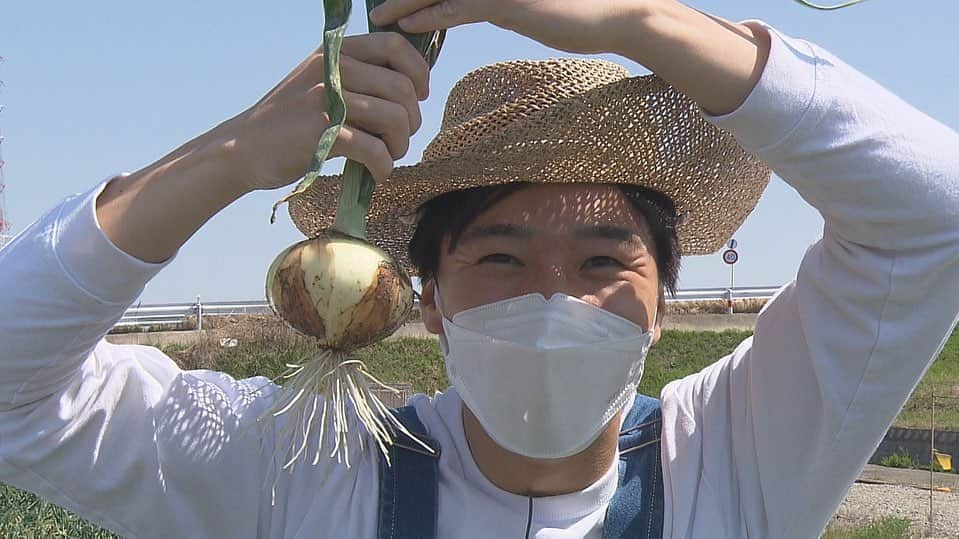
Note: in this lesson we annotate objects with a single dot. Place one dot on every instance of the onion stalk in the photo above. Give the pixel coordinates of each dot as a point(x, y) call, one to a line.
point(341, 290)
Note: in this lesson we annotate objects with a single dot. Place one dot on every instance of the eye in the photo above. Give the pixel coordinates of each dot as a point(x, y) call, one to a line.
point(599, 262)
point(500, 258)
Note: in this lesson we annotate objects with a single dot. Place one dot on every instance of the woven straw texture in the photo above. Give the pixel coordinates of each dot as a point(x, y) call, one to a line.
point(564, 121)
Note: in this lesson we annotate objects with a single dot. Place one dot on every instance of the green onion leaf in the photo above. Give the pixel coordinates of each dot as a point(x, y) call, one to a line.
point(357, 184)
point(356, 191)
point(337, 15)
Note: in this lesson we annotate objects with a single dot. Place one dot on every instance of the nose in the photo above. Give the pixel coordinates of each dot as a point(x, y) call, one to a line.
point(551, 279)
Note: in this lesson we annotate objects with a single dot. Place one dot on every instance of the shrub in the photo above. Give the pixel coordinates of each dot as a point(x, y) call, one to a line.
point(900, 459)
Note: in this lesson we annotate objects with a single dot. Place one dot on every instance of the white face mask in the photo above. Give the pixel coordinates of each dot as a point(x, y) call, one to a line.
point(543, 377)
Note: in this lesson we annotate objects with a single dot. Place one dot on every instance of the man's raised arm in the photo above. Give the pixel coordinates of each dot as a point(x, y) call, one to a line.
point(764, 443)
point(119, 434)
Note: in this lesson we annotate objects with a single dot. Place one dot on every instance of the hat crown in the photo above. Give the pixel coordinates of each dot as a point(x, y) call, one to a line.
point(558, 122)
point(508, 91)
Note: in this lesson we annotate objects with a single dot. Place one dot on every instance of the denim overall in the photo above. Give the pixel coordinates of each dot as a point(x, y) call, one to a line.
point(408, 488)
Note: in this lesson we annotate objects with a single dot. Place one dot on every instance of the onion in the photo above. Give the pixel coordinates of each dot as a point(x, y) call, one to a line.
point(347, 294)
point(341, 290)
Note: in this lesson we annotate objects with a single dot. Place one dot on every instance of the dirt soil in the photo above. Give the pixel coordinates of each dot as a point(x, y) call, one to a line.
point(903, 493)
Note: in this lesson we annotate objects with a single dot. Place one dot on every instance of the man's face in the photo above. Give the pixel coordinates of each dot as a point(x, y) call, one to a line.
point(585, 241)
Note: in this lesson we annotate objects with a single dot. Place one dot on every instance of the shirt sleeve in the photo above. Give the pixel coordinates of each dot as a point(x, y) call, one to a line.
point(119, 434)
point(768, 440)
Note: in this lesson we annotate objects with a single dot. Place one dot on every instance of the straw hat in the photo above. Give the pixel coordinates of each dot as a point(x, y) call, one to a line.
point(564, 121)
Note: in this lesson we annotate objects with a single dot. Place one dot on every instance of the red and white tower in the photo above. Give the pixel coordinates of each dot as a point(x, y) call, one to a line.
point(5, 228)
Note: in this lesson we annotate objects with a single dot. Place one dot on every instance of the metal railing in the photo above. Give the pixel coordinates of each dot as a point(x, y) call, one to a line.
point(144, 316)
point(722, 294)
point(148, 316)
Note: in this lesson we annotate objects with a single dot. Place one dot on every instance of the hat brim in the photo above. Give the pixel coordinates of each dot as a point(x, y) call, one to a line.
point(637, 131)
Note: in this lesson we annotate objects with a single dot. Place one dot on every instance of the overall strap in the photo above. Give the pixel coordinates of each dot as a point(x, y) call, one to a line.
point(636, 510)
point(409, 484)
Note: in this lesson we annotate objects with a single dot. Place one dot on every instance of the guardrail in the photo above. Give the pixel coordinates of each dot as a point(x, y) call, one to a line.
point(145, 316)
point(721, 294)
point(177, 313)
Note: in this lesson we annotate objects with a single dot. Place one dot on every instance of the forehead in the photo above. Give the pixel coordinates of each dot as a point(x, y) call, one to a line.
point(563, 207)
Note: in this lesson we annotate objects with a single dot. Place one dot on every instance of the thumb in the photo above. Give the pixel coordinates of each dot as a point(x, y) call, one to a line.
point(439, 16)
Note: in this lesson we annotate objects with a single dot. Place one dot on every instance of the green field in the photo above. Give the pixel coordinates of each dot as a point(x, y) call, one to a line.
point(419, 361)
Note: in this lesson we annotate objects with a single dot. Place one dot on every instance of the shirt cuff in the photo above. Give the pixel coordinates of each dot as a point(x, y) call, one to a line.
point(95, 264)
point(777, 103)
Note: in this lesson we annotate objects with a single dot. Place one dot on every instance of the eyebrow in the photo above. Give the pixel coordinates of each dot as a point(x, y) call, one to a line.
point(509, 231)
point(500, 230)
point(607, 232)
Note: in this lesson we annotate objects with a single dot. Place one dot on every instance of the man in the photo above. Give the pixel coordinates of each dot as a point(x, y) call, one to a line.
point(763, 443)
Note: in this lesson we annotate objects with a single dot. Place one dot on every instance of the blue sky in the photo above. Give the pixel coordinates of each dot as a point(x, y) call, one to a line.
point(96, 88)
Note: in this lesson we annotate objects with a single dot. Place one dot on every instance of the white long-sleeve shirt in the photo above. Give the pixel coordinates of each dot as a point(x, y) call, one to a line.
point(763, 443)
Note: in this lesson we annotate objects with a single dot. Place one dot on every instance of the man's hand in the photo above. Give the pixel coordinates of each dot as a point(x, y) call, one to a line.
point(713, 61)
point(578, 26)
point(151, 213)
point(383, 79)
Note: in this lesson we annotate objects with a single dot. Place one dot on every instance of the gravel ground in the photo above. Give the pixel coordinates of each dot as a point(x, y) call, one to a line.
point(866, 502)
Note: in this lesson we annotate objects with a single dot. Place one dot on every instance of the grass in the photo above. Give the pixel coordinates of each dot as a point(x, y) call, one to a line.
point(24, 515)
point(681, 353)
point(264, 347)
point(885, 528)
point(943, 379)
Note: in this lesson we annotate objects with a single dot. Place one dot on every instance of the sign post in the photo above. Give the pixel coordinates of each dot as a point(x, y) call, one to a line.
point(730, 257)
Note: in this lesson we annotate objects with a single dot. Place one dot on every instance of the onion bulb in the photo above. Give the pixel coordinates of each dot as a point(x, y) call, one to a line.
point(339, 289)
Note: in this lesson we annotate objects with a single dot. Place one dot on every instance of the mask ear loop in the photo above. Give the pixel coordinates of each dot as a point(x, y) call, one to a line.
point(444, 344)
point(436, 299)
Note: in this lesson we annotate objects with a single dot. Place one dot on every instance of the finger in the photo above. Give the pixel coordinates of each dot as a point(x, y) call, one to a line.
point(368, 79)
point(390, 11)
point(380, 117)
point(439, 16)
point(364, 148)
point(391, 50)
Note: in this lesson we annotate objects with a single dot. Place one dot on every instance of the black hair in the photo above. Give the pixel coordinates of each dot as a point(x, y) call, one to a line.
point(451, 213)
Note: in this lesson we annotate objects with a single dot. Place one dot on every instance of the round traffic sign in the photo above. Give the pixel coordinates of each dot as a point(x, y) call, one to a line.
point(732, 244)
point(730, 257)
